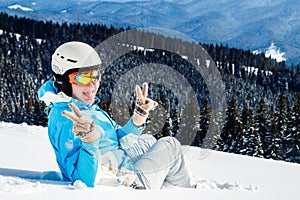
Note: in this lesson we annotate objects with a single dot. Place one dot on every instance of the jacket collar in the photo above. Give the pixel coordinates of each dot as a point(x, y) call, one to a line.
point(50, 95)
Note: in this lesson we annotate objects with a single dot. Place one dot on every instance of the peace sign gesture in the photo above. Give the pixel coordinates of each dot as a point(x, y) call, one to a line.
point(143, 105)
point(83, 127)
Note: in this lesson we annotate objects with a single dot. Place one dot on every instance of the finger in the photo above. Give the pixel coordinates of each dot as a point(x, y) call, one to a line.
point(150, 104)
point(81, 127)
point(83, 124)
point(145, 90)
point(155, 104)
point(139, 94)
point(148, 100)
point(70, 115)
point(75, 110)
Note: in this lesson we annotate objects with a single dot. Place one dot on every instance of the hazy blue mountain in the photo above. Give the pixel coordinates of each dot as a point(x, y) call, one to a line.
point(247, 24)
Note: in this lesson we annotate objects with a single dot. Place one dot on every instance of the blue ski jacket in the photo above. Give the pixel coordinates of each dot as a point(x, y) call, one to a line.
point(78, 160)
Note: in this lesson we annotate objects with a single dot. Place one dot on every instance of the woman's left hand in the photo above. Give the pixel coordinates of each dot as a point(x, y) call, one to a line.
point(143, 105)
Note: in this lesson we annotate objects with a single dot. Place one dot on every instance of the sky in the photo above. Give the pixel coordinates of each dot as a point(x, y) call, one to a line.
point(28, 170)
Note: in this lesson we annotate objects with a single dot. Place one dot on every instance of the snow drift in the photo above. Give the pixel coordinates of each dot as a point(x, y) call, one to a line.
point(28, 170)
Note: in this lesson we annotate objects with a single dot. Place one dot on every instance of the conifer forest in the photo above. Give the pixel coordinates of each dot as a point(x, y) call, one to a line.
point(262, 116)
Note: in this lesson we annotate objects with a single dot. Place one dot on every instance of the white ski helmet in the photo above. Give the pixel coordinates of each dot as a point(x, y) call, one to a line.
point(73, 55)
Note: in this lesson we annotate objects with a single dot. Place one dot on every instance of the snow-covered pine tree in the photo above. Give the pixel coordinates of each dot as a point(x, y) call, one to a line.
point(281, 121)
point(205, 116)
point(291, 140)
point(167, 129)
point(276, 151)
point(251, 142)
point(263, 124)
point(232, 128)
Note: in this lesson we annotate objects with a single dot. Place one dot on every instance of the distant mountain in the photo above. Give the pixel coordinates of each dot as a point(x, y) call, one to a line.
point(255, 24)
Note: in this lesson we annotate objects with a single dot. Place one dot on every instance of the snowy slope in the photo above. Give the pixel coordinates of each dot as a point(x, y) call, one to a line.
point(28, 171)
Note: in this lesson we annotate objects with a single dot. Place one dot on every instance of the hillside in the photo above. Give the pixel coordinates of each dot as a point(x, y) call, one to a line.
point(261, 117)
point(28, 171)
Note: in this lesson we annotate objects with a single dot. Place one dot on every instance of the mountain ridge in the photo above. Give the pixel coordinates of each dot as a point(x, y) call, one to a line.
point(251, 25)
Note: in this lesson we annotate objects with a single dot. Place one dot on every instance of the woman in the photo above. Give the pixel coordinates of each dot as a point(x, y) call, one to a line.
point(88, 144)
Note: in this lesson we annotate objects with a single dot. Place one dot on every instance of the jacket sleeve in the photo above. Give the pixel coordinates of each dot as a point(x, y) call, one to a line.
point(127, 134)
point(76, 159)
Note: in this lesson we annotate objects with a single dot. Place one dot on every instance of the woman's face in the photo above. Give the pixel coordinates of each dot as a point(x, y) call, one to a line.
point(86, 93)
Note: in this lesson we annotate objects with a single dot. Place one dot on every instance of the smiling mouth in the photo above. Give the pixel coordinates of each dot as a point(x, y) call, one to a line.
point(88, 95)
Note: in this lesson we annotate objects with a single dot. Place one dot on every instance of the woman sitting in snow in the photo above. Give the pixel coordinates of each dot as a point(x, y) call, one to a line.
point(89, 146)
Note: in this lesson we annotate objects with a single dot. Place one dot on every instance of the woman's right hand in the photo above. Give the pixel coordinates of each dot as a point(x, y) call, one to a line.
point(83, 127)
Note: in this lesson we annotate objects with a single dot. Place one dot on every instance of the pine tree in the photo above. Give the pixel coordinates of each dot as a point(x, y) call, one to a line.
point(251, 144)
point(276, 151)
point(167, 129)
point(205, 117)
point(232, 128)
point(281, 121)
point(263, 128)
point(240, 138)
point(175, 121)
point(291, 140)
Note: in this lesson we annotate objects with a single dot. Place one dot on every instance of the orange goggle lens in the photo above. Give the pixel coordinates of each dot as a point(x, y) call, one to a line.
point(84, 78)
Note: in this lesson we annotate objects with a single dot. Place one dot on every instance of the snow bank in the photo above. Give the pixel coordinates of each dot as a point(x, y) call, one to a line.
point(28, 170)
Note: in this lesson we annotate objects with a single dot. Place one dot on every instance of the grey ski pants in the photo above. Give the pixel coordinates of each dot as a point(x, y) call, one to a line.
point(160, 162)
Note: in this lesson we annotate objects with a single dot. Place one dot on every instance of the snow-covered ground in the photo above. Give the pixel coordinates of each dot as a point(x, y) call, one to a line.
point(274, 52)
point(28, 170)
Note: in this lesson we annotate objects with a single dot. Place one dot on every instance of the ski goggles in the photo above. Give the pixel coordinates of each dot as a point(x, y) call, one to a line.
point(86, 77)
